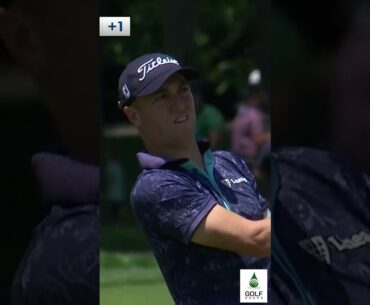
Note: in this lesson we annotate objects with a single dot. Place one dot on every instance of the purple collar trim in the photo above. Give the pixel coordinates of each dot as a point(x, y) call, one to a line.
point(148, 161)
point(65, 181)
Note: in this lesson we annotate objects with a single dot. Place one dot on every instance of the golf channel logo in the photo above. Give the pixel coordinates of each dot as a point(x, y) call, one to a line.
point(253, 286)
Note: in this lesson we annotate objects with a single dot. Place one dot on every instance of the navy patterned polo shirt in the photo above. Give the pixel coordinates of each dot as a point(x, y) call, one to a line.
point(171, 198)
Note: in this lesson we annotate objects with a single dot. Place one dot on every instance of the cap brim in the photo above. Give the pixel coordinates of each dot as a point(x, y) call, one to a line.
point(188, 72)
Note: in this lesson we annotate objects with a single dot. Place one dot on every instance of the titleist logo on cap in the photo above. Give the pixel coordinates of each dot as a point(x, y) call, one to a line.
point(151, 64)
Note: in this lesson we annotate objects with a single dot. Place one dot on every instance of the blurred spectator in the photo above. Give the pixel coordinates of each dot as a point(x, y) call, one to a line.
point(210, 121)
point(250, 129)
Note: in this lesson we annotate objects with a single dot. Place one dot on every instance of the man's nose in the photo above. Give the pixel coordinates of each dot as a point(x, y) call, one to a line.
point(177, 103)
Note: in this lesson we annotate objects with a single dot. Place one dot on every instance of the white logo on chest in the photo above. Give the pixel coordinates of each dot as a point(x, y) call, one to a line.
point(228, 182)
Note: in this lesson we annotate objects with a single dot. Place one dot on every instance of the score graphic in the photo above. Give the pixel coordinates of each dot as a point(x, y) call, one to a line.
point(114, 26)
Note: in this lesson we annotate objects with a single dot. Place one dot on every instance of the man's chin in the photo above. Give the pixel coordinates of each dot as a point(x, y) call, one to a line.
point(361, 158)
point(366, 162)
point(183, 135)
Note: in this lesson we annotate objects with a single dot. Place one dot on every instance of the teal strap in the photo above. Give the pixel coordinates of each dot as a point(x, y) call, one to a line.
point(209, 164)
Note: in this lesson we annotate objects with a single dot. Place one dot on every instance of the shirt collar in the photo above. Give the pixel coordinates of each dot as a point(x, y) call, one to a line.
point(66, 181)
point(148, 161)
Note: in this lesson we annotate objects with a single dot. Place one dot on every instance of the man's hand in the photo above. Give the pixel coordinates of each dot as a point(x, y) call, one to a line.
point(226, 230)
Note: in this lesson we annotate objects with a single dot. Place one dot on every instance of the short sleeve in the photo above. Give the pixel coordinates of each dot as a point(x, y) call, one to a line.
point(171, 204)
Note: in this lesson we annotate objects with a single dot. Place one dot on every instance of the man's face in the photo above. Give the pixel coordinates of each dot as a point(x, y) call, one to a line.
point(351, 109)
point(70, 48)
point(167, 116)
point(57, 43)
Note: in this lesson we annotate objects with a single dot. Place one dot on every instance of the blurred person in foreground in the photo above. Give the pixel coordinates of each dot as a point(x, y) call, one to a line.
point(199, 209)
point(48, 39)
point(321, 241)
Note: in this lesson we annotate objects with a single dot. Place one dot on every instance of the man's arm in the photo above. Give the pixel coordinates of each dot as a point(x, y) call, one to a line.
point(226, 230)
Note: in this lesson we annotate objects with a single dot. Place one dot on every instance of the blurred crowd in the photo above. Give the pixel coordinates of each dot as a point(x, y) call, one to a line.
point(248, 134)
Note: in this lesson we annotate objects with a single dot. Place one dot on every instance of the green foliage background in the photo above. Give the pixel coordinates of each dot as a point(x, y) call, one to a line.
point(220, 38)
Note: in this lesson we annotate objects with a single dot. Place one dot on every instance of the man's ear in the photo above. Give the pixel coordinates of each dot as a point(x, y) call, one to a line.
point(22, 40)
point(133, 115)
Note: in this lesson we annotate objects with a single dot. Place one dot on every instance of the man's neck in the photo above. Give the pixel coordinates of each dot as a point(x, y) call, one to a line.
point(190, 151)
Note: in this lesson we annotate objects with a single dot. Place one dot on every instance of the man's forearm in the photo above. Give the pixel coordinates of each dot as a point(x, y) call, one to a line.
point(258, 238)
point(227, 230)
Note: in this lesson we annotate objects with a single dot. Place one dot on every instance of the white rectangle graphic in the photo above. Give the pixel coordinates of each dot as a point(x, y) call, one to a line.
point(253, 286)
point(115, 26)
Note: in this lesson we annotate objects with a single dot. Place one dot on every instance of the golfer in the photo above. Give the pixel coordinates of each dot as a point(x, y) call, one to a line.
point(200, 210)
